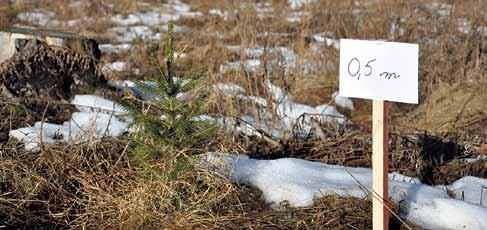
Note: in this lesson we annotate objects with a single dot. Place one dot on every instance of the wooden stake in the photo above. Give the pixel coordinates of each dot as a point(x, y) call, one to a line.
point(380, 216)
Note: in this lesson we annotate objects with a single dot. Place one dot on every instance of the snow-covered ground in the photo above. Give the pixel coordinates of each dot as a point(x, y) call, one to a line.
point(294, 119)
point(118, 48)
point(296, 4)
point(277, 56)
point(298, 182)
point(470, 189)
point(325, 38)
point(118, 66)
point(98, 117)
point(295, 181)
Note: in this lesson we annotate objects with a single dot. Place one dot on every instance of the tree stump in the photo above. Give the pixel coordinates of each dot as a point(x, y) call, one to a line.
point(17, 39)
point(46, 64)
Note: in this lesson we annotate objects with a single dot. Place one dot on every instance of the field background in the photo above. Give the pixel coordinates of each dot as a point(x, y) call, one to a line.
point(453, 106)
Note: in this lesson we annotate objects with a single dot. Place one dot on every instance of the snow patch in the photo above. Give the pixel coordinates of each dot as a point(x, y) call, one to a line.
point(92, 103)
point(233, 125)
point(163, 14)
point(119, 48)
point(251, 65)
point(330, 114)
point(290, 113)
point(229, 89)
point(278, 94)
point(37, 17)
point(324, 38)
point(98, 118)
point(277, 56)
point(118, 66)
point(260, 101)
point(470, 189)
point(343, 102)
point(296, 4)
point(298, 182)
point(299, 118)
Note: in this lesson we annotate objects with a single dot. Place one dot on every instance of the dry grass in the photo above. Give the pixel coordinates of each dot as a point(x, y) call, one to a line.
point(453, 107)
point(96, 185)
point(454, 57)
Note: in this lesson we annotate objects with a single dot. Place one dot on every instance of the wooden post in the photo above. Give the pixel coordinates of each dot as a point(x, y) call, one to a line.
point(379, 165)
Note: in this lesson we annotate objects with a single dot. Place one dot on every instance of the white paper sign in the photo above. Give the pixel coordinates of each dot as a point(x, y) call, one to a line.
point(379, 70)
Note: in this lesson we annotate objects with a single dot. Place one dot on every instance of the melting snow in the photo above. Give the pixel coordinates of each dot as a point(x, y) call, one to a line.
point(330, 114)
point(262, 102)
point(289, 113)
point(128, 34)
point(296, 4)
point(226, 15)
point(229, 89)
point(441, 8)
point(177, 6)
point(298, 182)
point(324, 37)
point(251, 65)
point(97, 119)
point(294, 118)
point(278, 95)
point(344, 102)
point(44, 18)
point(302, 116)
point(470, 189)
point(278, 55)
point(163, 14)
point(148, 19)
point(231, 124)
point(118, 66)
point(119, 48)
point(37, 17)
point(92, 103)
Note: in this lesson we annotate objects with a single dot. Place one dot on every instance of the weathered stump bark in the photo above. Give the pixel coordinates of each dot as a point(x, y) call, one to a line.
point(46, 64)
point(17, 39)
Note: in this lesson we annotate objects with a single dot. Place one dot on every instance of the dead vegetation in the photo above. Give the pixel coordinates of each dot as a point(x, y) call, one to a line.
point(96, 185)
point(458, 107)
point(433, 159)
point(45, 72)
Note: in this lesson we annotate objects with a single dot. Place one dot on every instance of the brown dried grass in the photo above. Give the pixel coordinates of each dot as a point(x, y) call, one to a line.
point(96, 186)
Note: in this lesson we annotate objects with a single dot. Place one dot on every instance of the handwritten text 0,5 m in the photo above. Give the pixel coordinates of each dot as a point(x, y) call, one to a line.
point(354, 70)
